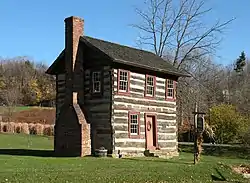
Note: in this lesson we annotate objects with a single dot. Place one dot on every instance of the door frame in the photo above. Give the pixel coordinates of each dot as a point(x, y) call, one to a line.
point(155, 131)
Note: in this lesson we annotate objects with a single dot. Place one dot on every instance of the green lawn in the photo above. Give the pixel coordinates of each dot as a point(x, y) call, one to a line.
point(30, 166)
point(15, 109)
point(21, 108)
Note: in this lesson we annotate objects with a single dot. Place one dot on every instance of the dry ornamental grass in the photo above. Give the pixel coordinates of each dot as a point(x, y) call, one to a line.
point(25, 128)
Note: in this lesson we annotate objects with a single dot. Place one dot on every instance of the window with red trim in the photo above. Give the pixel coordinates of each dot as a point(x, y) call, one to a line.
point(150, 86)
point(170, 89)
point(134, 124)
point(123, 81)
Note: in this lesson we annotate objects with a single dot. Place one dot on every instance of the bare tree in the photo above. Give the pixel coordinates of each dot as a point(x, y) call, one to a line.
point(24, 82)
point(177, 30)
point(11, 97)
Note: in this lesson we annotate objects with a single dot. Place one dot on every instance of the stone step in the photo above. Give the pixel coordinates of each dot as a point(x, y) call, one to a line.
point(157, 153)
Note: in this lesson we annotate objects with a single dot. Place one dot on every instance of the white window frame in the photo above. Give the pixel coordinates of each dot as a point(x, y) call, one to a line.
point(96, 82)
point(170, 88)
point(152, 87)
point(134, 124)
point(123, 80)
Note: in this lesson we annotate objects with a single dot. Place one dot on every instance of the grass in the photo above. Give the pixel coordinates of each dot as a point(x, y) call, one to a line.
point(4, 109)
point(28, 165)
point(242, 152)
point(21, 108)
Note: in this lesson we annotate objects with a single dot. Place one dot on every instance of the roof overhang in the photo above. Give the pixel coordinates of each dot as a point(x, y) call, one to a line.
point(58, 63)
point(58, 66)
point(179, 74)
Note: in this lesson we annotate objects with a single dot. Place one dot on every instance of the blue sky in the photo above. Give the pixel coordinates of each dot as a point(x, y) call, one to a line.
point(36, 28)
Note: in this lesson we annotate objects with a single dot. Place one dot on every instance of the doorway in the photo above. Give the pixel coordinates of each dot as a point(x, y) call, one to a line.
point(151, 131)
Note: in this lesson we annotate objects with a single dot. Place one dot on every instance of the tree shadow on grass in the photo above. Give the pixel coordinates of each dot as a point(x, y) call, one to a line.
point(37, 153)
point(27, 152)
point(218, 178)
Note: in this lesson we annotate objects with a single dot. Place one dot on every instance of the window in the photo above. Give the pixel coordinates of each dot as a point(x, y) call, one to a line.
point(123, 81)
point(150, 86)
point(134, 128)
point(170, 89)
point(96, 82)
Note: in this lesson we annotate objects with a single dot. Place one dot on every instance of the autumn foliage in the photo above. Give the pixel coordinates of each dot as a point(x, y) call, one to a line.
point(229, 125)
point(24, 82)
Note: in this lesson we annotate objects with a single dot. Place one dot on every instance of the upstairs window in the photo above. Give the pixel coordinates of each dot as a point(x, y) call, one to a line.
point(150, 86)
point(170, 89)
point(134, 128)
point(123, 81)
point(96, 82)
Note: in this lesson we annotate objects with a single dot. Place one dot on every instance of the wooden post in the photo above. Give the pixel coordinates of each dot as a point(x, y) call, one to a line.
point(195, 132)
point(198, 130)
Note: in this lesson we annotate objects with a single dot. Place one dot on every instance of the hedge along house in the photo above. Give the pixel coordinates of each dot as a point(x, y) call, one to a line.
point(113, 96)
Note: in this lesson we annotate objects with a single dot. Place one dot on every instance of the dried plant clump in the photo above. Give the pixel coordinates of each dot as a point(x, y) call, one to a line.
point(39, 129)
point(25, 128)
point(18, 127)
point(52, 129)
point(11, 127)
point(32, 129)
point(48, 130)
point(3, 127)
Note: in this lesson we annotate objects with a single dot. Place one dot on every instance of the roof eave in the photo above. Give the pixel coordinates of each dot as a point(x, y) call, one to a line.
point(179, 74)
point(52, 69)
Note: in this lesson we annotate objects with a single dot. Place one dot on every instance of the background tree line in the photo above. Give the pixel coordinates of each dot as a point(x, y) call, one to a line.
point(24, 82)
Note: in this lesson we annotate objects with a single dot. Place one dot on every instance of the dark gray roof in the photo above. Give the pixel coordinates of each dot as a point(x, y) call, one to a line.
point(132, 56)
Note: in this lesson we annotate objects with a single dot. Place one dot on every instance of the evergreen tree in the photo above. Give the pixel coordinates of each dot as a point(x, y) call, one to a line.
point(240, 62)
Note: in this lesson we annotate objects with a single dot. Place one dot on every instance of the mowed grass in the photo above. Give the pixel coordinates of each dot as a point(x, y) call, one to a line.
point(13, 109)
point(30, 166)
point(20, 108)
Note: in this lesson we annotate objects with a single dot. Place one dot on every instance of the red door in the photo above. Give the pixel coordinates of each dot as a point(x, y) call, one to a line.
point(151, 139)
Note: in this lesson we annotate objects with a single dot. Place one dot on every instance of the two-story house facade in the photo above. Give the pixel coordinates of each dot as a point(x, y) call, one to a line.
point(113, 96)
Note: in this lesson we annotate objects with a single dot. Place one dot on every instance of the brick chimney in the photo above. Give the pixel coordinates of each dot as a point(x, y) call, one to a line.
point(73, 31)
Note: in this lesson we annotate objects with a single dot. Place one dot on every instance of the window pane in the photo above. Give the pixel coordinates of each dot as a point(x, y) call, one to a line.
point(123, 81)
point(134, 124)
point(170, 88)
point(96, 80)
point(150, 85)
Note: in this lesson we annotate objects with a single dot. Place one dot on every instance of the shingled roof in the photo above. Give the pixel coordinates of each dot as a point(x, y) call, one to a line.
point(129, 56)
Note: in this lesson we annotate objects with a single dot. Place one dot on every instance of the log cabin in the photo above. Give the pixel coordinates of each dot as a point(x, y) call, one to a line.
point(112, 96)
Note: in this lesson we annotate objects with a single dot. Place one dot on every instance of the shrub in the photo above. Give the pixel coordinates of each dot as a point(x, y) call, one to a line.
point(228, 124)
point(246, 137)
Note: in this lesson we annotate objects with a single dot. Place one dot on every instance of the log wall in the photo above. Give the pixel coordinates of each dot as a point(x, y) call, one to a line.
point(97, 109)
point(135, 101)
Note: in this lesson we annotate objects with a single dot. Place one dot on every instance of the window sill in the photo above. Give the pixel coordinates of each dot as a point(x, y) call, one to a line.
point(135, 136)
point(149, 97)
point(171, 99)
point(122, 93)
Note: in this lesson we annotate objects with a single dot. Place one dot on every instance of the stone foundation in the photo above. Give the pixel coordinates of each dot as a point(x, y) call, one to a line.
point(155, 153)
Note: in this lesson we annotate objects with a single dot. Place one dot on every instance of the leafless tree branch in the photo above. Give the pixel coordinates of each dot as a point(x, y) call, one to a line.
point(179, 28)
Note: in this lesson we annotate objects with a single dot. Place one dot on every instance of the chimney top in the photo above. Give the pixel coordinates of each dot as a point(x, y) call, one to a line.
point(73, 18)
